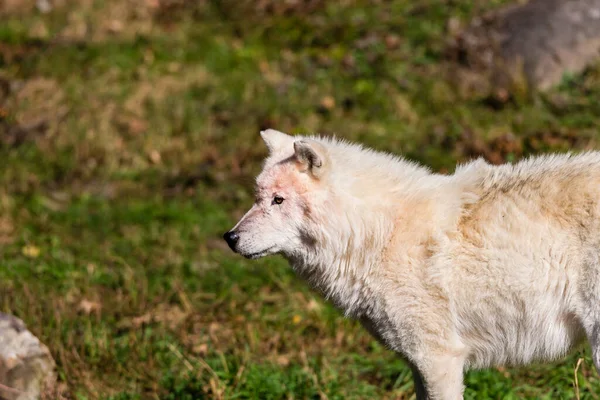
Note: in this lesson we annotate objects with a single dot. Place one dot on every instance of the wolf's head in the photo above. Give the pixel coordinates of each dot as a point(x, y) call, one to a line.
point(288, 190)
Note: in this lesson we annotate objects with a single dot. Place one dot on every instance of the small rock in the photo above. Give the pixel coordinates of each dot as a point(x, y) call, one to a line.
point(26, 365)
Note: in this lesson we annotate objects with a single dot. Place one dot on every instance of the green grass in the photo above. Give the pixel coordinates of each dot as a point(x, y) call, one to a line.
point(111, 211)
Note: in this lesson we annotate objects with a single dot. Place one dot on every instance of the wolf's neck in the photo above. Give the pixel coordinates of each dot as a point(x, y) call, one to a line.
point(374, 231)
point(343, 263)
point(346, 261)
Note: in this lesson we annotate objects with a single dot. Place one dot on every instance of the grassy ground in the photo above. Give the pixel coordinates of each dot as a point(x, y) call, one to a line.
point(128, 143)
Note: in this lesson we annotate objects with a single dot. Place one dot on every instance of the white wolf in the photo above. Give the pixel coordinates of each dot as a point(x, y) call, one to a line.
point(493, 265)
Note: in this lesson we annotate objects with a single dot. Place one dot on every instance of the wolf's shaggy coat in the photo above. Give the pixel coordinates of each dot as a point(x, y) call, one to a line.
point(493, 265)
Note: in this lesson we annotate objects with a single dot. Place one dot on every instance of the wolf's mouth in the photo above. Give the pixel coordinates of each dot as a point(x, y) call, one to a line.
point(253, 256)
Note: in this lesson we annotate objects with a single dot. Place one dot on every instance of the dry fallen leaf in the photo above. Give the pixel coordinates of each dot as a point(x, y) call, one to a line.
point(87, 307)
point(313, 305)
point(91, 268)
point(200, 349)
point(30, 251)
point(503, 371)
point(453, 26)
point(155, 157)
point(141, 320)
point(6, 230)
point(328, 102)
point(137, 126)
point(392, 41)
point(115, 26)
point(283, 361)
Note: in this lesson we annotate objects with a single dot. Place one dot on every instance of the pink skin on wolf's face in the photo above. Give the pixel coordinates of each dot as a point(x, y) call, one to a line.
point(268, 227)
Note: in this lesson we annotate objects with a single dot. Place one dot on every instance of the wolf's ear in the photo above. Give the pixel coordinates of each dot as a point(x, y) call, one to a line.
point(276, 140)
point(311, 157)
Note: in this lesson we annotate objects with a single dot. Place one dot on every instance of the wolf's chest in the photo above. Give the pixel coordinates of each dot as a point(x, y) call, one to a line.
point(351, 294)
point(355, 298)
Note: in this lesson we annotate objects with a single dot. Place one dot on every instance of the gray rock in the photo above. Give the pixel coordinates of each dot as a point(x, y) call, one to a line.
point(27, 368)
point(534, 43)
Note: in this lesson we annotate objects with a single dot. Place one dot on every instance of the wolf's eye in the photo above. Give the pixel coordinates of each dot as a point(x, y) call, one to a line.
point(278, 200)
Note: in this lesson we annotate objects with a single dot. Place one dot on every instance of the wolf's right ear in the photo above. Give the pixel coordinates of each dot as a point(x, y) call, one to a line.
point(311, 157)
point(276, 140)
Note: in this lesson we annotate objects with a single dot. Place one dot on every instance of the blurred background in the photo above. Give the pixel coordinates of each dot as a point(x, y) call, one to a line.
point(129, 140)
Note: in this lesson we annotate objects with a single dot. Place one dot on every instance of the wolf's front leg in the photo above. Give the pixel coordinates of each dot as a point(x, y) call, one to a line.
point(419, 384)
point(439, 378)
point(593, 334)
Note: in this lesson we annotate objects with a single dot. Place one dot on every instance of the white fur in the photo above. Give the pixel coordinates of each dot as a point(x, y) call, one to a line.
point(489, 266)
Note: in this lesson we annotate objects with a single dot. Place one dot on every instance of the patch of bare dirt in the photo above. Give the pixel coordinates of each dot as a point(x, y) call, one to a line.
point(262, 8)
point(101, 21)
point(7, 230)
point(31, 108)
point(157, 90)
point(16, 7)
point(35, 98)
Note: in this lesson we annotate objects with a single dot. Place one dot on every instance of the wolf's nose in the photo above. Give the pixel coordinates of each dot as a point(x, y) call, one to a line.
point(231, 238)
